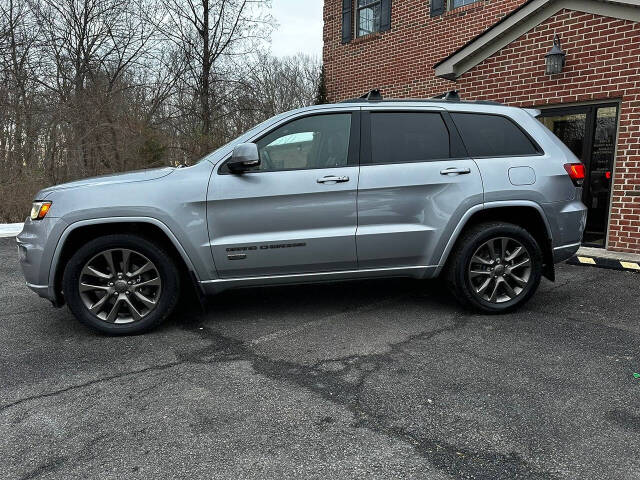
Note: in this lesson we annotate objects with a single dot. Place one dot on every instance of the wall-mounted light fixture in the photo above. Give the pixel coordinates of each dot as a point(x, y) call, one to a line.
point(555, 59)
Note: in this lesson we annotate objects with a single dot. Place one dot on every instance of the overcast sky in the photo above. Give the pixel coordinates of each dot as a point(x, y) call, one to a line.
point(300, 27)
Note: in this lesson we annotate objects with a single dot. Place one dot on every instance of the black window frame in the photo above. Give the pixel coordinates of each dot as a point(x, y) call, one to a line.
point(353, 151)
point(539, 151)
point(457, 150)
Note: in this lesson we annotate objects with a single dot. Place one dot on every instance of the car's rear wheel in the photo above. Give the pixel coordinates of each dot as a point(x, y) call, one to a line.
point(121, 284)
point(495, 267)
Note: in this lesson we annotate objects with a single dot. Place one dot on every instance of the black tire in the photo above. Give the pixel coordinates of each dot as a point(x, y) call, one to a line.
point(459, 264)
point(166, 271)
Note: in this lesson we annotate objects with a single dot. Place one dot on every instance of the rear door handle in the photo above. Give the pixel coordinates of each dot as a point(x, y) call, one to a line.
point(455, 171)
point(333, 179)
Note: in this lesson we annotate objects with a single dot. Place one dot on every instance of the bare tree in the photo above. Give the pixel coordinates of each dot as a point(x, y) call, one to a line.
point(206, 34)
point(16, 45)
point(87, 46)
point(271, 85)
point(95, 86)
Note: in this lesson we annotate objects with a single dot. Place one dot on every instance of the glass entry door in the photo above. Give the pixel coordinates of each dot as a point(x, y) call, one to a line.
point(590, 133)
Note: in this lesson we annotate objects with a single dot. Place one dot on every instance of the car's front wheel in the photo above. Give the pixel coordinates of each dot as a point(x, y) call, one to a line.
point(495, 267)
point(121, 284)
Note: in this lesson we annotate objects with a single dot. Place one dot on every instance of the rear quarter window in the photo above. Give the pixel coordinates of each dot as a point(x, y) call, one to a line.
point(487, 135)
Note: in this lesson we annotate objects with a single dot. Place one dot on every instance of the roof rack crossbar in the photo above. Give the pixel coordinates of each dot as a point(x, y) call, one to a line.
point(450, 96)
point(373, 95)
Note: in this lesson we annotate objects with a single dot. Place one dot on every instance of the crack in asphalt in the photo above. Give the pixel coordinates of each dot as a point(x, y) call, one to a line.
point(182, 358)
point(50, 466)
point(87, 384)
point(334, 385)
point(333, 380)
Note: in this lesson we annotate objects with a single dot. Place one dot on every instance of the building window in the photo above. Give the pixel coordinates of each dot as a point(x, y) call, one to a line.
point(461, 3)
point(368, 17)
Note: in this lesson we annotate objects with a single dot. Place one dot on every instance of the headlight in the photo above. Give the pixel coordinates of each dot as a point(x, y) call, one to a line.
point(39, 210)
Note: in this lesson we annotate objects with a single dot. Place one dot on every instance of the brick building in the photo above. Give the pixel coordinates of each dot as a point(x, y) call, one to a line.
point(496, 50)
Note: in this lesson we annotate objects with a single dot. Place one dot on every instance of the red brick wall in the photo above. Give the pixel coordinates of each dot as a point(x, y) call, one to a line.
point(603, 62)
point(405, 55)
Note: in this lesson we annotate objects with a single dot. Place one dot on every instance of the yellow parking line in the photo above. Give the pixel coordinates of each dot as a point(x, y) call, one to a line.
point(588, 260)
point(631, 265)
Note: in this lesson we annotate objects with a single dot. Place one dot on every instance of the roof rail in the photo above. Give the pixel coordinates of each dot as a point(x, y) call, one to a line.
point(450, 96)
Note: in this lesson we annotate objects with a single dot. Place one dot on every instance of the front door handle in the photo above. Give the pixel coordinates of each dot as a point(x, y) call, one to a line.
point(333, 179)
point(455, 171)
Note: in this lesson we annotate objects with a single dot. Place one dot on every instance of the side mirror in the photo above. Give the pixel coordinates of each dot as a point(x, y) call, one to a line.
point(245, 157)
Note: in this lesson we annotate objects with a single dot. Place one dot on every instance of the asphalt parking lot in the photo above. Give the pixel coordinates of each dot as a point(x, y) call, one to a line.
point(374, 379)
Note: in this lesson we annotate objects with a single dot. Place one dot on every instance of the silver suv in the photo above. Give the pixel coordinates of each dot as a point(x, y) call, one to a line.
point(480, 193)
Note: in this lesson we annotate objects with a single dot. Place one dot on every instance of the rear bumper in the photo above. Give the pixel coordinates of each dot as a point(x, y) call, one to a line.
point(567, 221)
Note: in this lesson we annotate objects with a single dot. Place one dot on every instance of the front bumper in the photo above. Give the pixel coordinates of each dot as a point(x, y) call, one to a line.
point(36, 246)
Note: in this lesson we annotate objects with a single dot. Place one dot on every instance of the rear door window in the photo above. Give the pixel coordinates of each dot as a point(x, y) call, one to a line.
point(408, 137)
point(493, 136)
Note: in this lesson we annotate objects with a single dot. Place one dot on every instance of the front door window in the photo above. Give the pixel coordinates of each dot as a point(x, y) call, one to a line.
point(590, 133)
point(320, 141)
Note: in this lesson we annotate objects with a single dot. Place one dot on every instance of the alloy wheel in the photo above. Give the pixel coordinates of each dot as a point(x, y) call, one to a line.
point(120, 286)
point(499, 270)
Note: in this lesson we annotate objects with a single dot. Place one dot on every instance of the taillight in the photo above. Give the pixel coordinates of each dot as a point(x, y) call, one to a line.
point(576, 172)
